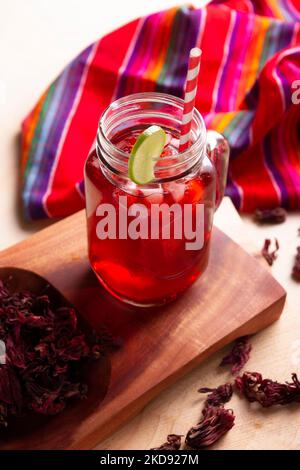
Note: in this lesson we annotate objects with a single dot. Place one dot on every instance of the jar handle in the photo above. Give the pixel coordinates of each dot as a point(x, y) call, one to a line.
point(218, 152)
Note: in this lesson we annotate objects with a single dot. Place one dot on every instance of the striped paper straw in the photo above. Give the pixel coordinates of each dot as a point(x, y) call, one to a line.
point(189, 98)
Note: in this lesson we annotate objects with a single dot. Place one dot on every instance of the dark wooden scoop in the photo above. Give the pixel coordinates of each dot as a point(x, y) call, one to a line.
point(30, 430)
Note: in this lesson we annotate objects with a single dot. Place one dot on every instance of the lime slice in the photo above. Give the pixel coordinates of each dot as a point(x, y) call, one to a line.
point(145, 153)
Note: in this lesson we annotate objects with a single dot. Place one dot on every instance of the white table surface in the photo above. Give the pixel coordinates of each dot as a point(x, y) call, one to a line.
point(37, 39)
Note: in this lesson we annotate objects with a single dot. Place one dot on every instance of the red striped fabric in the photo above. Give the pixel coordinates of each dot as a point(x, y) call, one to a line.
point(247, 90)
point(95, 93)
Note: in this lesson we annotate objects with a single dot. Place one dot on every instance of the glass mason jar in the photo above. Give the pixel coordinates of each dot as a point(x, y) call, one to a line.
point(148, 243)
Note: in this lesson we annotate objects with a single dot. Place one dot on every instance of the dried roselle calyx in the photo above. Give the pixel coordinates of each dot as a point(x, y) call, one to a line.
point(217, 396)
point(44, 352)
point(270, 216)
point(216, 422)
point(238, 355)
point(3, 415)
point(11, 400)
point(266, 391)
point(270, 256)
point(296, 267)
point(173, 443)
point(248, 385)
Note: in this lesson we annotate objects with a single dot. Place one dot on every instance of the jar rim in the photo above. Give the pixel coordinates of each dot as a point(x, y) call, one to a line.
point(196, 148)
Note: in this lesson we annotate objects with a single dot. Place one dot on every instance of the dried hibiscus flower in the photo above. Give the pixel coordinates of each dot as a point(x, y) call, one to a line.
point(270, 216)
point(239, 355)
point(44, 349)
point(217, 396)
point(173, 443)
point(268, 392)
point(270, 256)
point(296, 267)
point(216, 422)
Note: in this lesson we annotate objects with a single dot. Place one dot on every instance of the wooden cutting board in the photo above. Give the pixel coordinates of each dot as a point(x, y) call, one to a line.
point(236, 296)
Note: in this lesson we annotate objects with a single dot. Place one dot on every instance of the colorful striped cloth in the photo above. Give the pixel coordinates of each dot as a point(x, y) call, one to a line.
point(251, 58)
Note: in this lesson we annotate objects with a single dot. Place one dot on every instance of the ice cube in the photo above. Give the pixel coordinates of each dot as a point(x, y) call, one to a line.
point(176, 189)
point(153, 195)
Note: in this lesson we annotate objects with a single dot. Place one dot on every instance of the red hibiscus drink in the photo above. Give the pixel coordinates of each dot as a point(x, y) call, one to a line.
point(149, 241)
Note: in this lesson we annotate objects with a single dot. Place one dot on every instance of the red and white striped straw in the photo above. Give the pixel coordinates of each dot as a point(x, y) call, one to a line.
point(189, 98)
